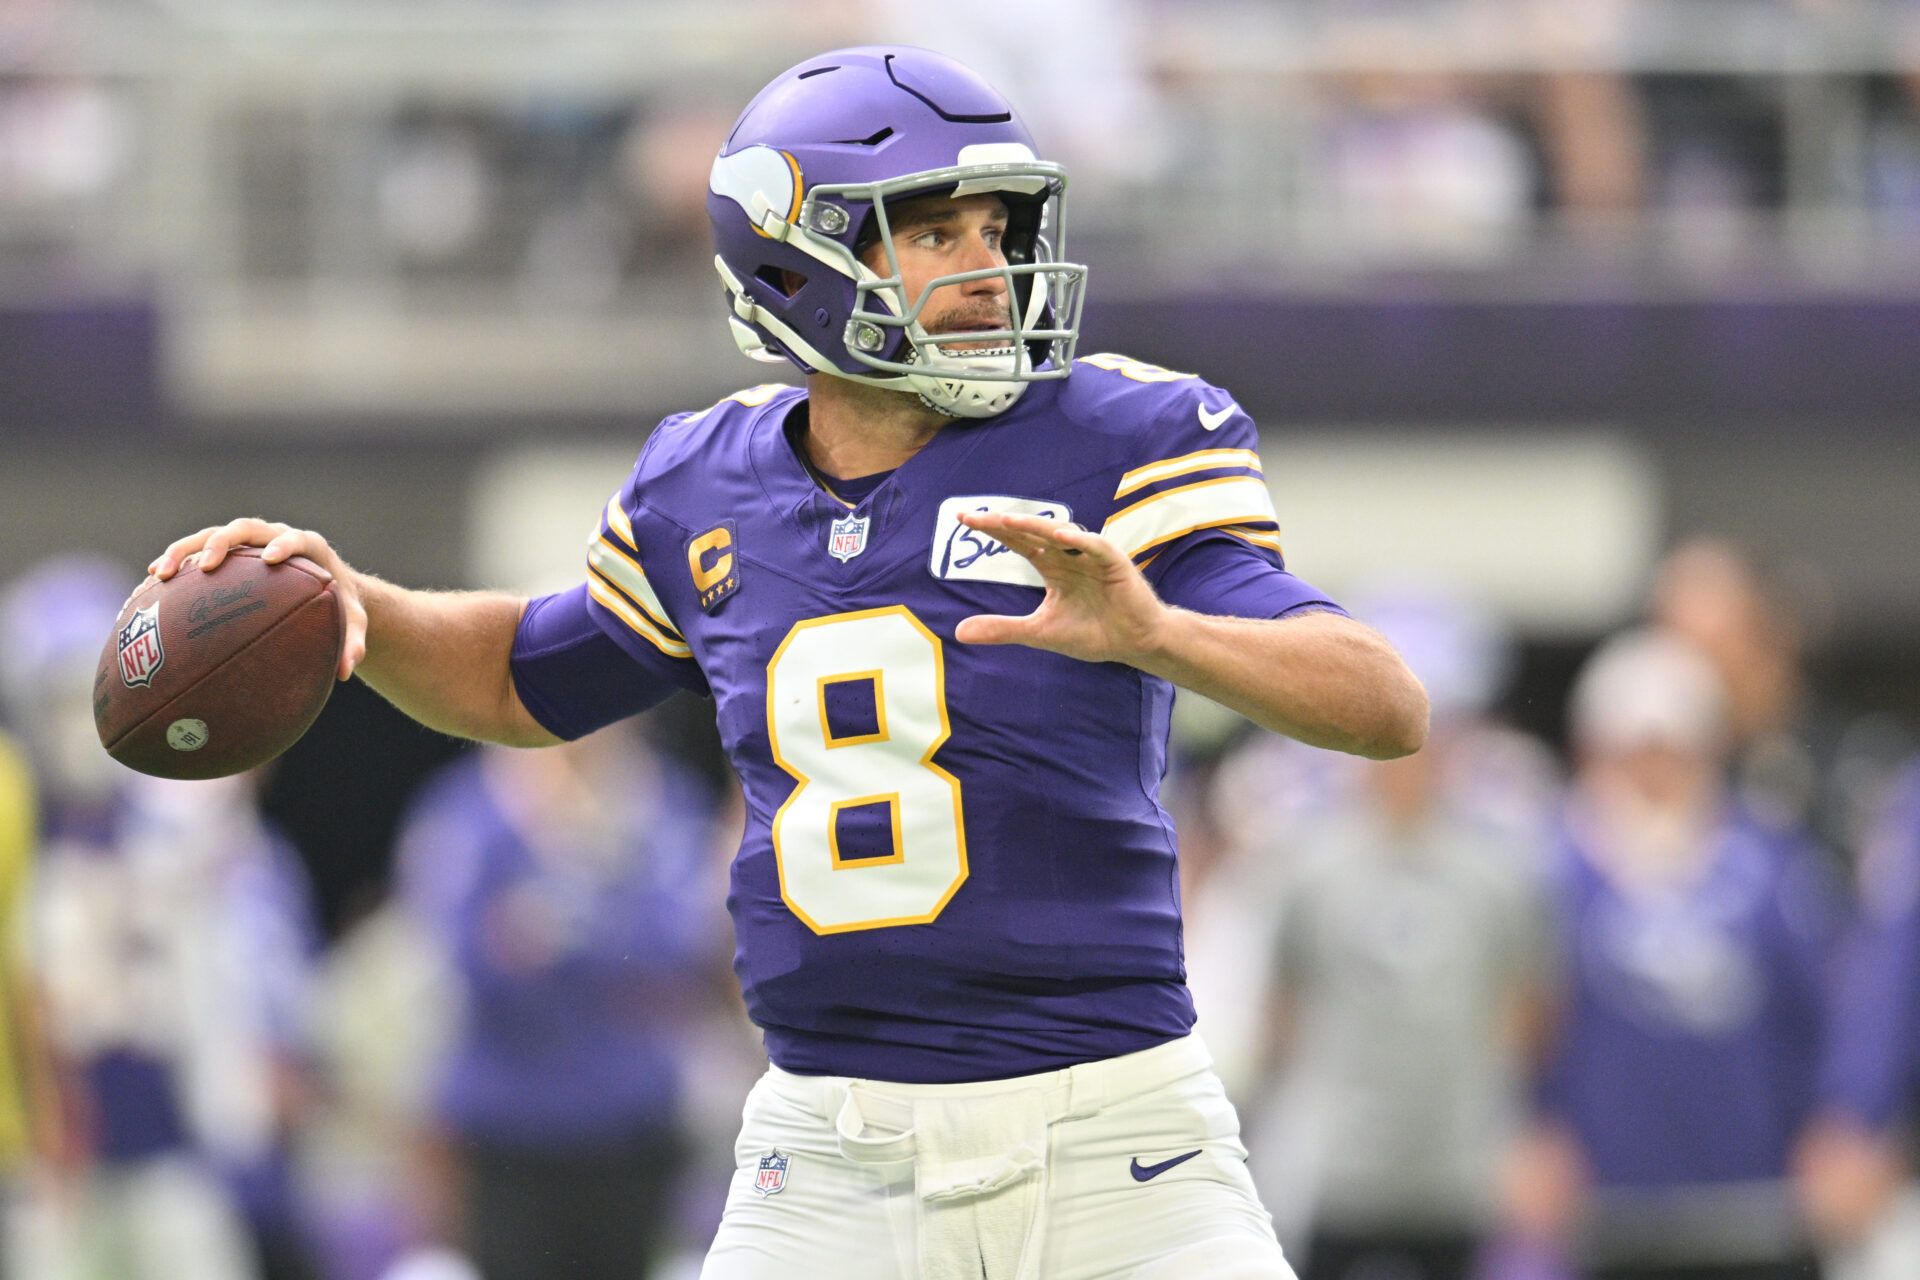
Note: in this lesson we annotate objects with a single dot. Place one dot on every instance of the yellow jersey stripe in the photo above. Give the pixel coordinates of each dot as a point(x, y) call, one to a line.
point(1233, 500)
point(1246, 491)
point(1258, 537)
point(1185, 464)
point(618, 522)
point(624, 572)
point(623, 609)
point(752, 397)
point(1176, 534)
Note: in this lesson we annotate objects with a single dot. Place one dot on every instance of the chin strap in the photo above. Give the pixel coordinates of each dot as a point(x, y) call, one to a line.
point(946, 388)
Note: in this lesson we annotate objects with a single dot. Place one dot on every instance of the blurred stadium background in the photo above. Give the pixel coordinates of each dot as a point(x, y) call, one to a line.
point(1526, 296)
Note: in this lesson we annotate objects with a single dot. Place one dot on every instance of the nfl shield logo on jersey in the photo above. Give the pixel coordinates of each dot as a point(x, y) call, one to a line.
point(848, 538)
point(140, 652)
point(772, 1175)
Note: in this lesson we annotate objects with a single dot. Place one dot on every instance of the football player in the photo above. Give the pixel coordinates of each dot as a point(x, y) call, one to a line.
point(940, 597)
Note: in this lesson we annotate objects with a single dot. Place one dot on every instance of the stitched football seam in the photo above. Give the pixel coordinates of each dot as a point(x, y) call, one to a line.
point(143, 720)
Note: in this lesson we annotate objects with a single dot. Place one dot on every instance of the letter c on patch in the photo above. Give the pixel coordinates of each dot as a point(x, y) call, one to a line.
point(707, 575)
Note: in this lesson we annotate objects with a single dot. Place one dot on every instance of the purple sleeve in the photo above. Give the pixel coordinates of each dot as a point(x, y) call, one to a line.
point(1867, 1067)
point(1873, 1028)
point(574, 678)
point(1227, 576)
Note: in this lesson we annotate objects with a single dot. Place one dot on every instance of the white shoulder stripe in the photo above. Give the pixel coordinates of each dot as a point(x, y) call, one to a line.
point(1186, 464)
point(625, 573)
point(1207, 504)
point(617, 604)
point(618, 522)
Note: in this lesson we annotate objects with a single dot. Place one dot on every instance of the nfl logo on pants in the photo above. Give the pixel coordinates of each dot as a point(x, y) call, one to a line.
point(772, 1175)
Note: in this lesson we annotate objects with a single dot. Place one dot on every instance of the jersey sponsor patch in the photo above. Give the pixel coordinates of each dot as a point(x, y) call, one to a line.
point(963, 553)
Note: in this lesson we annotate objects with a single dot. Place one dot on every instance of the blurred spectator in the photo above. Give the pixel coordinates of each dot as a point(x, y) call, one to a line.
point(61, 141)
point(1856, 1159)
point(250, 1073)
point(1719, 142)
point(1077, 75)
point(566, 889)
point(663, 166)
point(1894, 179)
point(1695, 940)
point(436, 194)
point(172, 932)
point(1593, 128)
point(1796, 761)
point(23, 1076)
point(1411, 946)
point(385, 1006)
point(1411, 160)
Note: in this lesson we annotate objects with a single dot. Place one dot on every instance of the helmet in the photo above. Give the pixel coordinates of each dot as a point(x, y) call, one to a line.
point(801, 186)
point(54, 621)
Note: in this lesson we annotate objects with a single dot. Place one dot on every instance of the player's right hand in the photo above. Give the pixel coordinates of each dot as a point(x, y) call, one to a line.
point(279, 541)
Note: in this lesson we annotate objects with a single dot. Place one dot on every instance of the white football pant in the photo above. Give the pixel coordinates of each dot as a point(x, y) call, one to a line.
point(1125, 1169)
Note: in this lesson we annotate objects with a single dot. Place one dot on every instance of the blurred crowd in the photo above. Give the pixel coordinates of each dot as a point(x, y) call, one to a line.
point(1640, 1003)
point(1642, 1009)
point(1444, 132)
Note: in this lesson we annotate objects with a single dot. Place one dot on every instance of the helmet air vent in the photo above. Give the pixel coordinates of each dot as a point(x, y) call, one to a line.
point(787, 283)
point(872, 140)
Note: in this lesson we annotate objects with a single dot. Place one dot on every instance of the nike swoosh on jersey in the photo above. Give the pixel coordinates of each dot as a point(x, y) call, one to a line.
point(1212, 421)
point(1147, 1172)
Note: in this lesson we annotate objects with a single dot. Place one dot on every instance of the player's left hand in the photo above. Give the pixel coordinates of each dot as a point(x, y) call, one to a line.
point(1098, 606)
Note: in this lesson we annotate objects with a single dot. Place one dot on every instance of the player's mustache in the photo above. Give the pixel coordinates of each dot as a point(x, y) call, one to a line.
point(960, 322)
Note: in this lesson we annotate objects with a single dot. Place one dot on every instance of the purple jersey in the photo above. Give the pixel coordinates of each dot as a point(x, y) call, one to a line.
point(955, 865)
point(1692, 1031)
point(569, 949)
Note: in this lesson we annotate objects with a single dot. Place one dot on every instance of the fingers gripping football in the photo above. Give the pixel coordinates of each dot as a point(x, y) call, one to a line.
point(279, 541)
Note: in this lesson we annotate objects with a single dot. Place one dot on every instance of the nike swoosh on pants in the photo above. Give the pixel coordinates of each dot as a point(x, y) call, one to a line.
point(1144, 1172)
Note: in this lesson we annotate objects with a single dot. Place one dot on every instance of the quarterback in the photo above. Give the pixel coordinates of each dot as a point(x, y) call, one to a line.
point(940, 597)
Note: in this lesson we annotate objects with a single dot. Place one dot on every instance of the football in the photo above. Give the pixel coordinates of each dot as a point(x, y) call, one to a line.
point(210, 674)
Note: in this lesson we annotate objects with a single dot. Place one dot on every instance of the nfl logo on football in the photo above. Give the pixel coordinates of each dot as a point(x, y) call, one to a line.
point(140, 652)
point(848, 538)
point(772, 1174)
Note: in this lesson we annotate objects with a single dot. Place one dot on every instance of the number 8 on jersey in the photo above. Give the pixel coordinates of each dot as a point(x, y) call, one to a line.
point(856, 709)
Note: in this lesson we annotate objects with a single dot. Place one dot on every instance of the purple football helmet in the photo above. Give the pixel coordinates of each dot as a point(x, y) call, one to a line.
point(802, 186)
